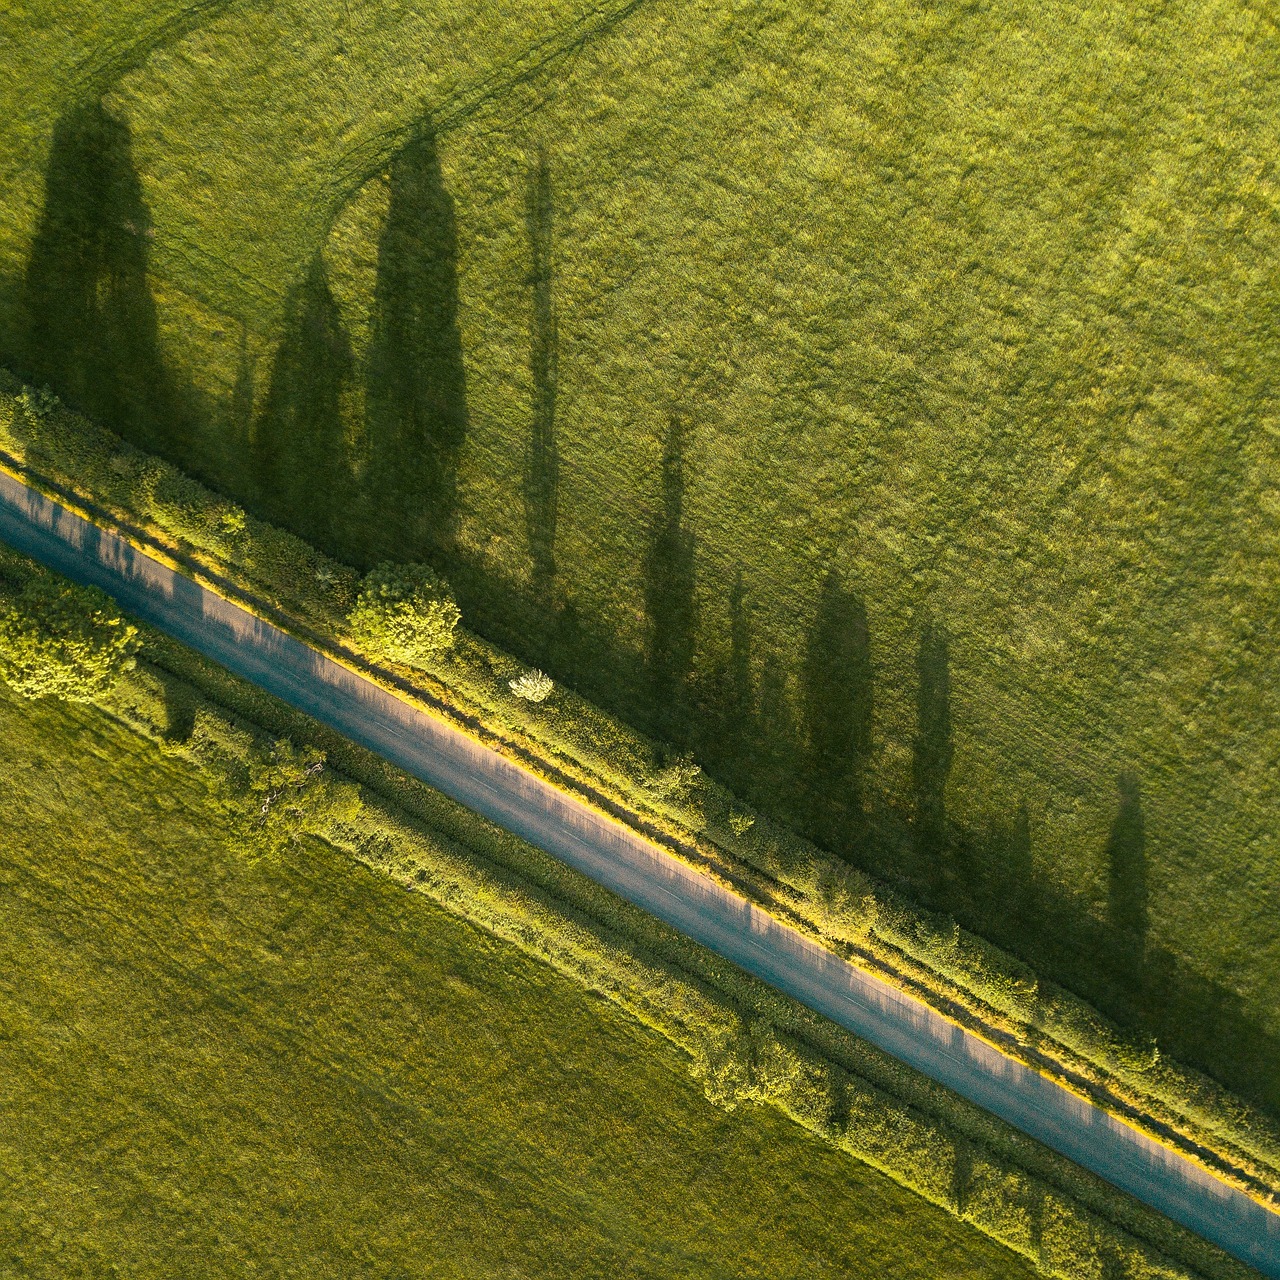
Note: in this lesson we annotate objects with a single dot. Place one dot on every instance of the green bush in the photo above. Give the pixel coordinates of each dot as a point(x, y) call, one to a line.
point(62, 640)
point(296, 793)
point(676, 780)
point(281, 792)
point(404, 612)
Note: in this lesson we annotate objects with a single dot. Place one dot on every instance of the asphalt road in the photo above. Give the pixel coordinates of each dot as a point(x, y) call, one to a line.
point(643, 873)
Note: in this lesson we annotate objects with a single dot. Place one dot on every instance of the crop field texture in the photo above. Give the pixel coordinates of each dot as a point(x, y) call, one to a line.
point(875, 399)
point(216, 1066)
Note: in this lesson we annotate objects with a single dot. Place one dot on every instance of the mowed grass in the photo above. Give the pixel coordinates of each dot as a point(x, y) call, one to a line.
point(210, 1067)
point(760, 368)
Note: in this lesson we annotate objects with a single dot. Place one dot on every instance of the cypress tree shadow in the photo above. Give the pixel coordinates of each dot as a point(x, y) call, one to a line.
point(237, 436)
point(724, 736)
point(542, 466)
point(669, 592)
point(90, 319)
point(740, 709)
point(416, 389)
point(1016, 895)
point(931, 757)
point(837, 706)
point(1112, 962)
point(1058, 932)
point(999, 879)
point(303, 474)
point(1126, 855)
point(778, 747)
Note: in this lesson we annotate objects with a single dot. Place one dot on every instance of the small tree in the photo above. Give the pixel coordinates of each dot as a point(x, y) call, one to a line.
point(533, 686)
point(404, 612)
point(63, 640)
point(675, 782)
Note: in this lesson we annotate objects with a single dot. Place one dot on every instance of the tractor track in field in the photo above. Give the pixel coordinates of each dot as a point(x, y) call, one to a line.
point(352, 169)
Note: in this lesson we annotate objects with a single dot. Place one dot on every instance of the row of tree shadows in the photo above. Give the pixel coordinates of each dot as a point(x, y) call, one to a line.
point(793, 738)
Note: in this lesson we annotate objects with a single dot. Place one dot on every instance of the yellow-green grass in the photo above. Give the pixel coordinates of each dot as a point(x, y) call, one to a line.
point(57, 56)
point(213, 1067)
point(971, 305)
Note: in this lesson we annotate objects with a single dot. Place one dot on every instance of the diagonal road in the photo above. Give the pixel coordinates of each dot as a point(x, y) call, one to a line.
point(639, 871)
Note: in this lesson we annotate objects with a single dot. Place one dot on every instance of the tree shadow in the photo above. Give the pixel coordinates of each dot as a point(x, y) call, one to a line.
point(89, 330)
point(738, 710)
point(931, 758)
point(416, 401)
point(724, 730)
point(237, 434)
point(542, 466)
point(669, 592)
point(90, 319)
point(837, 708)
point(303, 474)
point(1107, 958)
point(1000, 897)
point(1013, 881)
point(1126, 855)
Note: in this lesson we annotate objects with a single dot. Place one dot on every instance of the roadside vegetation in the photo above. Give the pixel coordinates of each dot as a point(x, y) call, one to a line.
point(410, 610)
point(870, 406)
point(184, 944)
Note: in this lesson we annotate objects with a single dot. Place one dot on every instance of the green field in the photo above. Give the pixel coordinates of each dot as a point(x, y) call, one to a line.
point(214, 1066)
point(876, 399)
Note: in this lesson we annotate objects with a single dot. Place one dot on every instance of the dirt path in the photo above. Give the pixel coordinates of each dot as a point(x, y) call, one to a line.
point(644, 874)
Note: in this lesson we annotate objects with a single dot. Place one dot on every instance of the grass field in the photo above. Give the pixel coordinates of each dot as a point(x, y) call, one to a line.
point(213, 1067)
point(875, 398)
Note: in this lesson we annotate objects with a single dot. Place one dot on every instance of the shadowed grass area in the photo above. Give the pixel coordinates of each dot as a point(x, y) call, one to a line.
point(212, 1066)
point(89, 315)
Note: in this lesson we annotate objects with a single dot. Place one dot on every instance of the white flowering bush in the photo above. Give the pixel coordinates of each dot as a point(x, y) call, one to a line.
point(533, 686)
